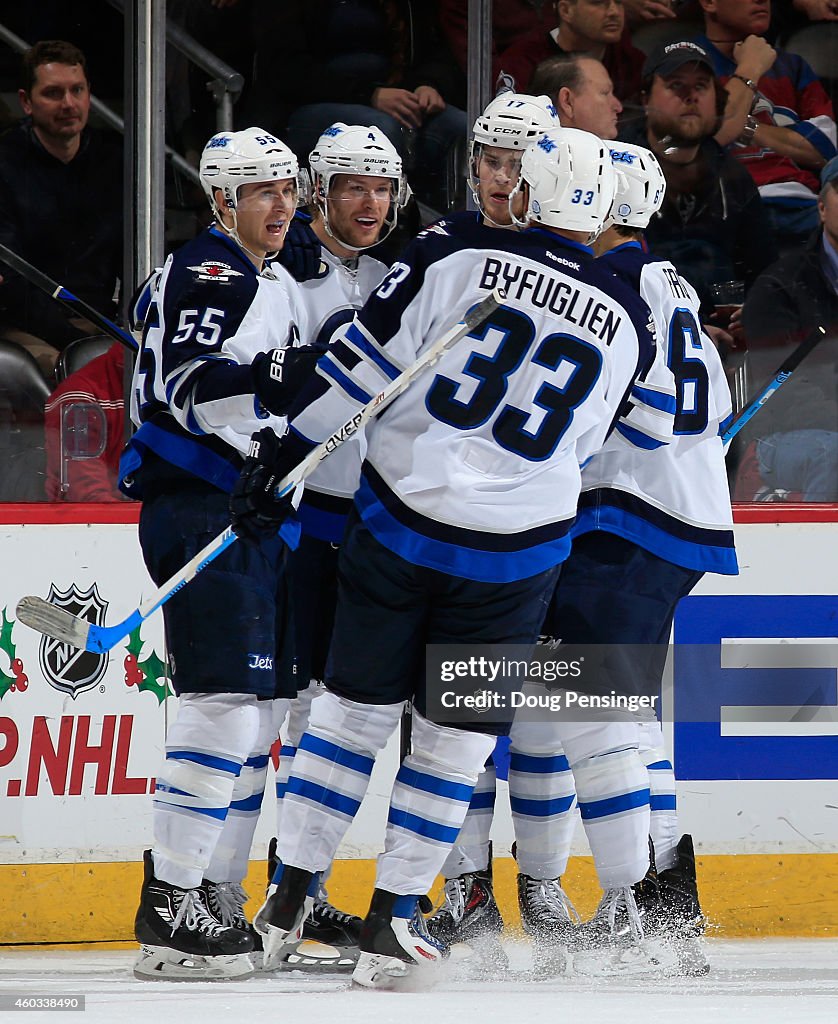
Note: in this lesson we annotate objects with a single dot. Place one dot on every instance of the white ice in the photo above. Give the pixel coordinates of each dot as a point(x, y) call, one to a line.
point(765, 981)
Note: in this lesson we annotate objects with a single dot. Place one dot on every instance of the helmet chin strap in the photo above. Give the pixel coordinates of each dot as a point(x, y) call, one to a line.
point(233, 232)
point(321, 200)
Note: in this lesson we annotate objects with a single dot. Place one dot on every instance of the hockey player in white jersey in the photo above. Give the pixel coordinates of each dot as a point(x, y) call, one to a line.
point(652, 519)
point(217, 320)
point(358, 193)
point(467, 495)
point(508, 126)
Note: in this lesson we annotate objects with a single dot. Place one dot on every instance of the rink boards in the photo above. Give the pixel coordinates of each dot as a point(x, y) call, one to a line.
point(81, 735)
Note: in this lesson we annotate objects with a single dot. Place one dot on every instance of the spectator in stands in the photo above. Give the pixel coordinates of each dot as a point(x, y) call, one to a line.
point(777, 113)
point(712, 225)
point(581, 91)
point(797, 431)
point(376, 62)
point(594, 27)
point(511, 19)
point(86, 415)
point(639, 12)
point(60, 203)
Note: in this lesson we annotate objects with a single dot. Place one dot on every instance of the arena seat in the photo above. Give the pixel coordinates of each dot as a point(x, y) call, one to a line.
point(23, 394)
point(79, 353)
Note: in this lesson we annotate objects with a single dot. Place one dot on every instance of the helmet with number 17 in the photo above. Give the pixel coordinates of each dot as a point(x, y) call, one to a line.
point(512, 121)
point(641, 185)
point(568, 180)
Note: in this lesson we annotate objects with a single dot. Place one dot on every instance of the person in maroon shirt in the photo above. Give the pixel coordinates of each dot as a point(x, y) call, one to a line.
point(96, 390)
point(594, 27)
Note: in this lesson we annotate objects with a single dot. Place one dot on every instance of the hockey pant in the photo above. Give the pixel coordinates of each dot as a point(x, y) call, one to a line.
point(209, 791)
point(664, 828)
point(329, 779)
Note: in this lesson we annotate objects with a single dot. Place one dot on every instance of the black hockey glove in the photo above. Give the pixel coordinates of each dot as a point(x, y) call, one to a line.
point(279, 375)
point(300, 253)
point(256, 514)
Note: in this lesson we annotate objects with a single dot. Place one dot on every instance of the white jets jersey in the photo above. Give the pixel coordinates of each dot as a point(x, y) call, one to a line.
point(474, 470)
point(331, 302)
point(192, 395)
point(672, 500)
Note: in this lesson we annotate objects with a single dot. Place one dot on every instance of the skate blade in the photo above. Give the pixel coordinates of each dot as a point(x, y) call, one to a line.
point(278, 942)
point(374, 970)
point(645, 958)
point(321, 958)
point(479, 957)
point(161, 963)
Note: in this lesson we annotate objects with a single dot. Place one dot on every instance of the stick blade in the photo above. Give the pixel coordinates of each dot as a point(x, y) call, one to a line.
point(47, 618)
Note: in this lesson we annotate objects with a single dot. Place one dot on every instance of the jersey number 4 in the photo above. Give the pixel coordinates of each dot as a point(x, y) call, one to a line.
point(577, 365)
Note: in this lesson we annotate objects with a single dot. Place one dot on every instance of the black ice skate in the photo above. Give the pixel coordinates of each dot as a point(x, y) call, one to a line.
point(391, 946)
point(551, 919)
point(225, 901)
point(670, 908)
point(330, 937)
point(470, 915)
point(181, 939)
point(614, 941)
point(280, 918)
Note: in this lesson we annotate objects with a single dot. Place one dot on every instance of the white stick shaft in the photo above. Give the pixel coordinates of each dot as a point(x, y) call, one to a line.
point(432, 353)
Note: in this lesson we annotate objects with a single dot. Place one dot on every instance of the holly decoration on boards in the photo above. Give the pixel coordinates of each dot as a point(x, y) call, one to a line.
point(149, 674)
point(18, 680)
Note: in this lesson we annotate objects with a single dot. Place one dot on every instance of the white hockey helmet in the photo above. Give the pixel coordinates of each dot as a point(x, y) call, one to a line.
point(571, 181)
point(359, 150)
point(233, 159)
point(512, 120)
point(641, 185)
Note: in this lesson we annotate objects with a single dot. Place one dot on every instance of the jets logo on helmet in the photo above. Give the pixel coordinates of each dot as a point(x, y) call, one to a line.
point(569, 181)
point(641, 186)
point(233, 159)
point(358, 150)
point(510, 121)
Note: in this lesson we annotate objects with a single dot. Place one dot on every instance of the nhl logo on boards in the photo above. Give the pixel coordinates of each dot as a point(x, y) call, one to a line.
point(67, 668)
point(212, 270)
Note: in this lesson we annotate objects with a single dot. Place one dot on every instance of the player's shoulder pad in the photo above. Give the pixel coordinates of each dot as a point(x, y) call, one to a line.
point(211, 269)
point(626, 294)
point(627, 264)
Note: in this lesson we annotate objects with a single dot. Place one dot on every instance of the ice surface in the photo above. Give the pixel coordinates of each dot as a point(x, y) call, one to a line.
point(752, 982)
point(761, 981)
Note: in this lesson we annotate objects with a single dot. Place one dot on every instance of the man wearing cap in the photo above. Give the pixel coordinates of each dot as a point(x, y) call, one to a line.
point(797, 434)
point(712, 225)
point(777, 114)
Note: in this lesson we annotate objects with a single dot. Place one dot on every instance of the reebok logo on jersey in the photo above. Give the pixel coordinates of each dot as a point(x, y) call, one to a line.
point(212, 270)
point(560, 259)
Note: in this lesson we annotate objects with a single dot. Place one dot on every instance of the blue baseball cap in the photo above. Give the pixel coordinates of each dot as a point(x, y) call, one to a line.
point(829, 172)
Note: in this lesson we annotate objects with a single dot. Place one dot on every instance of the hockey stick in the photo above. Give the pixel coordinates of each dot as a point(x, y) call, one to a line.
point(66, 298)
point(80, 633)
point(780, 377)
